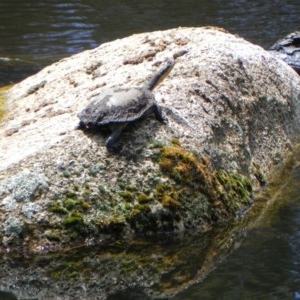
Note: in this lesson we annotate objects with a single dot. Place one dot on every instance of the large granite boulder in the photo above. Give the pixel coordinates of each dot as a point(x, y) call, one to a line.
point(233, 113)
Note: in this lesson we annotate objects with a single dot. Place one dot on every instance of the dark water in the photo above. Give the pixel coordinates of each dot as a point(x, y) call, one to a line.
point(267, 265)
point(34, 34)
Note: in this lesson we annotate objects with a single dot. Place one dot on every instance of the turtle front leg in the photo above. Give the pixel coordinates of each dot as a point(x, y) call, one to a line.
point(158, 114)
point(112, 143)
point(80, 126)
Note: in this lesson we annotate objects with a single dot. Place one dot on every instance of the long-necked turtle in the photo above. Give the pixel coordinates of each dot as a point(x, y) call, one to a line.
point(288, 50)
point(115, 107)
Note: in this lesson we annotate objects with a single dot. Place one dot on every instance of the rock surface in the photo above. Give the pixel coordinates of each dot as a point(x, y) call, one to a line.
point(233, 113)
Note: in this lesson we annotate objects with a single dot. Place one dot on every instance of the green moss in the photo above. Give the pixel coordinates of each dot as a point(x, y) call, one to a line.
point(175, 142)
point(70, 194)
point(131, 188)
point(112, 224)
point(170, 202)
point(160, 189)
point(235, 190)
point(70, 203)
point(140, 209)
point(58, 209)
point(186, 169)
point(227, 193)
point(191, 194)
point(168, 195)
point(139, 219)
point(53, 236)
point(127, 196)
point(259, 174)
point(76, 225)
point(86, 191)
point(74, 220)
point(156, 144)
point(84, 205)
point(143, 198)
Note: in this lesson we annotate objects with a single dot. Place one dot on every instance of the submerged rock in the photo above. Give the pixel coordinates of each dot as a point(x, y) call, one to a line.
point(233, 112)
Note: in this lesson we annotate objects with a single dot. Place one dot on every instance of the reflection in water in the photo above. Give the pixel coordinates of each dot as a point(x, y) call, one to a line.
point(7, 296)
point(143, 269)
point(267, 265)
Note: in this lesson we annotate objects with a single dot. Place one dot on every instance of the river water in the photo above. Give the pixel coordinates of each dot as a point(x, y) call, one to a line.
point(34, 34)
point(267, 264)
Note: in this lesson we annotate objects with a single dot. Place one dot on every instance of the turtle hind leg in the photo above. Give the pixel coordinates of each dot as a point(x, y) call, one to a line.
point(159, 114)
point(112, 143)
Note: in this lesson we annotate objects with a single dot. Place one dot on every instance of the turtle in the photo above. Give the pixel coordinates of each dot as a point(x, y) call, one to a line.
point(114, 108)
point(288, 50)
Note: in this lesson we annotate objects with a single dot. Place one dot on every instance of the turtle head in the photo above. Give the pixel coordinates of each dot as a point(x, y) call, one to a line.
point(160, 75)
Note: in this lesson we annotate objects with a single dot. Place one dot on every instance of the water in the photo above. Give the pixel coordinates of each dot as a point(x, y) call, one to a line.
point(36, 33)
point(266, 266)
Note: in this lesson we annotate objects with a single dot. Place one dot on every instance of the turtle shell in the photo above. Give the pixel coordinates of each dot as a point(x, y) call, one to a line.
point(117, 105)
